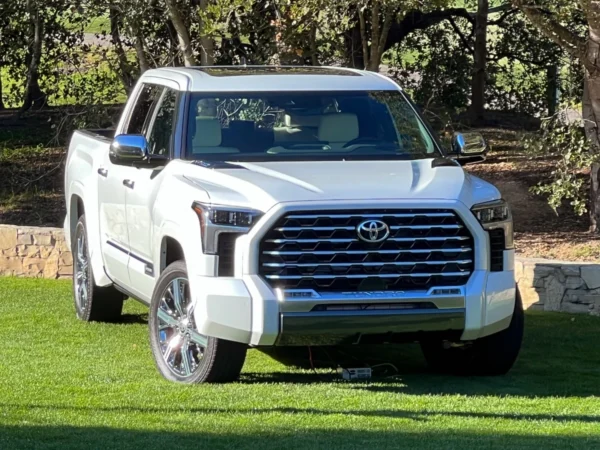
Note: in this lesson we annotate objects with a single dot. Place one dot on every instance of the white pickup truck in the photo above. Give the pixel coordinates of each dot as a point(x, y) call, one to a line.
point(289, 206)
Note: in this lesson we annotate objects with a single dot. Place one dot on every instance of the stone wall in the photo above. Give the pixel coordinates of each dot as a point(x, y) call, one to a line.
point(559, 286)
point(34, 252)
point(547, 285)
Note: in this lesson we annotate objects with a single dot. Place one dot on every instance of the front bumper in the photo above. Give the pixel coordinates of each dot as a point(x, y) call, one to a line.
point(354, 327)
point(246, 309)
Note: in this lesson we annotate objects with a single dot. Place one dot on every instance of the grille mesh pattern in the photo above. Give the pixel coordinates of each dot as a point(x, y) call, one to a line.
point(321, 251)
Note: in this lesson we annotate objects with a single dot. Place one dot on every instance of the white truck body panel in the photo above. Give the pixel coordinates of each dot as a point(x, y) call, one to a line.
point(128, 228)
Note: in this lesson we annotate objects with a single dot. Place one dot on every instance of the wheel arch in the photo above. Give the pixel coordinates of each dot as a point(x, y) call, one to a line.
point(76, 210)
point(171, 250)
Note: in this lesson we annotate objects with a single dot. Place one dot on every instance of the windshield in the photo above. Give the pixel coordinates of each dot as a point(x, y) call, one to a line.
point(281, 126)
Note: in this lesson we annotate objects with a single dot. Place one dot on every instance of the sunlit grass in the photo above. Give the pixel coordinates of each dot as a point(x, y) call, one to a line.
point(68, 384)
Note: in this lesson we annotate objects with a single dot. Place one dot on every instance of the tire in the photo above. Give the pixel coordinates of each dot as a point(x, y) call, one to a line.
point(488, 356)
point(92, 303)
point(181, 353)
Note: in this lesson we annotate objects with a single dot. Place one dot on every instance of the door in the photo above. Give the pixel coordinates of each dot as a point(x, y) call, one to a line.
point(114, 183)
point(142, 195)
point(113, 221)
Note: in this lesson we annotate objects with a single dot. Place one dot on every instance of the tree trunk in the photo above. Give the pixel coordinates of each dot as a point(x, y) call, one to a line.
point(591, 114)
point(125, 68)
point(140, 51)
point(374, 57)
point(364, 39)
point(553, 87)
point(479, 70)
point(207, 55)
point(33, 94)
point(314, 57)
point(354, 52)
point(2, 107)
point(183, 35)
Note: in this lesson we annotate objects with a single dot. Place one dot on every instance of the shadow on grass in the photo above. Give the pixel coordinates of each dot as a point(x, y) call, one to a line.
point(102, 437)
point(424, 415)
point(559, 358)
point(130, 319)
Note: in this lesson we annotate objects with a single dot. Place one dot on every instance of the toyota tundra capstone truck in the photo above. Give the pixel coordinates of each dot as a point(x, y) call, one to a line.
point(275, 207)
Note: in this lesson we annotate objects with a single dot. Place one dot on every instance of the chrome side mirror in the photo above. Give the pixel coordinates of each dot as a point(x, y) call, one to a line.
point(468, 144)
point(127, 149)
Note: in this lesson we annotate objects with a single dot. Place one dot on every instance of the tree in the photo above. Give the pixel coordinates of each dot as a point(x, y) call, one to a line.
point(585, 47)
point(183, 34)
point(479, 69)
point(33, 93)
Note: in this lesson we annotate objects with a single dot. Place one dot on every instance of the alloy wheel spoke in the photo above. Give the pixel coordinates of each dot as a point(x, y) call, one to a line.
point(177, 297)
point(167, 318)
point(198, 339)
point(173, 345)
point(186, 358)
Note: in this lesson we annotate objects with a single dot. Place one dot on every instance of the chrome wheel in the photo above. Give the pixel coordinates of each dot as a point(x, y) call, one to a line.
point(181, 345)
point(81, 272)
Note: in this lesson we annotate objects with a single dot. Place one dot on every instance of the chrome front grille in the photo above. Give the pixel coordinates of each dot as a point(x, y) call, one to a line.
point(322, 251)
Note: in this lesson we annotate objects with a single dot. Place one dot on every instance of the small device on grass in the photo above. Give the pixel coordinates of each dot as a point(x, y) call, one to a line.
point(353, 373)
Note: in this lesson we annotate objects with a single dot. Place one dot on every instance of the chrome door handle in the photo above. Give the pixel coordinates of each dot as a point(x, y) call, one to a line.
point(103, 172)
point(128, 183)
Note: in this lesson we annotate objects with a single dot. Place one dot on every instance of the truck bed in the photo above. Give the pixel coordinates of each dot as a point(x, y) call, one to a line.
point(103, 134)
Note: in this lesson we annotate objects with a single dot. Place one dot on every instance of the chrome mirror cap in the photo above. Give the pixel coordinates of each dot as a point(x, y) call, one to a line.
point(128, 148)
point(468, 144)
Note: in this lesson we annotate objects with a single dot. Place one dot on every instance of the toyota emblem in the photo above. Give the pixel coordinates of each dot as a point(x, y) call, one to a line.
point(373, 231)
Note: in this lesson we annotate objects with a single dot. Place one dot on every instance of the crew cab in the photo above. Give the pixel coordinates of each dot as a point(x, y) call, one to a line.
point(289, 206)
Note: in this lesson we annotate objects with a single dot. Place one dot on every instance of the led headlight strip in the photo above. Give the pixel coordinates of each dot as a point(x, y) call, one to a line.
point(494, 215)
point(217, 219)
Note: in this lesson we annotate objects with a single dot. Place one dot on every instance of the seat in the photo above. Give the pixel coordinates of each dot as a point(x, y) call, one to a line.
point(338, 129)
point(298, 128)
point(207, 137)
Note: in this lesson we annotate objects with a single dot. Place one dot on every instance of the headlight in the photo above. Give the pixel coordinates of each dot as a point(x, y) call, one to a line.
point(217, 219)
point(494, 215)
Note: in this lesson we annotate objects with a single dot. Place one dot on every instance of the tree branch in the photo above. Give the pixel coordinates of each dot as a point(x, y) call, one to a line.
point(569, 41)
point(460, 34)
point(502, 18)
point(418, 20)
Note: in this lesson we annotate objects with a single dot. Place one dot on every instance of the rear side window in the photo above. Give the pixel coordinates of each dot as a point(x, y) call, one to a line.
point(142, 110)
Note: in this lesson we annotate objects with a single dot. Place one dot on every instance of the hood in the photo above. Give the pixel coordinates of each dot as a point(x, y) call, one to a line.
point(262, 185)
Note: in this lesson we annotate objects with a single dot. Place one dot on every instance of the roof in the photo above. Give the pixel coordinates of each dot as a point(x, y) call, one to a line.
point(272, 78)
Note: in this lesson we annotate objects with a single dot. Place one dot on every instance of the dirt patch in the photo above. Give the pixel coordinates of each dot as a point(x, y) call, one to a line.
point(539, 231)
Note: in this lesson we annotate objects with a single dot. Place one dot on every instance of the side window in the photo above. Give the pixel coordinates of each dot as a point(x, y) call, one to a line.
point(159, 138)
point(142, 110)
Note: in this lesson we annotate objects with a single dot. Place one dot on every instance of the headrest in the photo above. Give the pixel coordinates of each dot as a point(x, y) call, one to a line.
point(297, 120)
point(339, 127)
point(208, 132)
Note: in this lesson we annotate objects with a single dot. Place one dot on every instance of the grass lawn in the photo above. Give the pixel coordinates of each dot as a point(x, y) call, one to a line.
point(66, 384)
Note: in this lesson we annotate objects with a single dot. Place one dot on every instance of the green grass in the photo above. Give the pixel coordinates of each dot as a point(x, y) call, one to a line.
point(66, 384)
point(96, 25)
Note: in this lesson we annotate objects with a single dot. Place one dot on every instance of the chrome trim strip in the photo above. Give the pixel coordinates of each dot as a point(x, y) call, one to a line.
point(347, 241)
point(348, 216)
point(384, 275)
point(394, 227)
point(366, 252)
point(368, 264)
